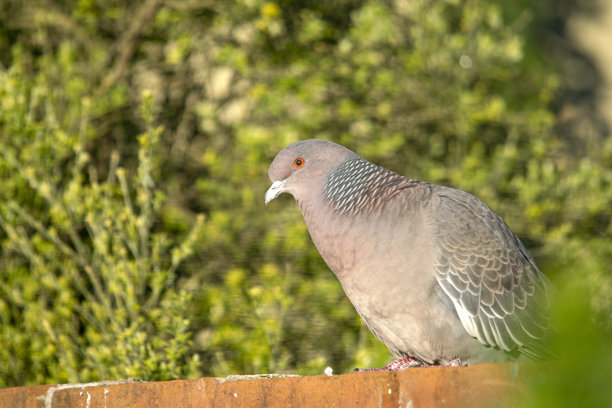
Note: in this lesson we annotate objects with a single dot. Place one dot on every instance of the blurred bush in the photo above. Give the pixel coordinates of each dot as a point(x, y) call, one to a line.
point(445, 91)
point(87, 288)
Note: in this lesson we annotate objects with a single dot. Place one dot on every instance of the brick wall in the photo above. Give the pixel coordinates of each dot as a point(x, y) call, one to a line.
point(484, 385)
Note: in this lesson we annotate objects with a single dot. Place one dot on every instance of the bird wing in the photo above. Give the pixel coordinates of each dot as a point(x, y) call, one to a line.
point(498, 292)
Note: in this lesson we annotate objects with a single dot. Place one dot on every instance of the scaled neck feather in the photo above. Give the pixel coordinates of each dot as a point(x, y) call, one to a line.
point(357, 186)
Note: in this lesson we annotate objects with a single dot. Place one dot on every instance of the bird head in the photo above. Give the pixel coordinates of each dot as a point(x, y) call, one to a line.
point(301, 168)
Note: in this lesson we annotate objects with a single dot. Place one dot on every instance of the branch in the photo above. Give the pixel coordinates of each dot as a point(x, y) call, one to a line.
point(126, 45)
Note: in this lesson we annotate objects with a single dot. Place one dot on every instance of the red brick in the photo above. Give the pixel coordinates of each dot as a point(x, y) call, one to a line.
point(485, 385)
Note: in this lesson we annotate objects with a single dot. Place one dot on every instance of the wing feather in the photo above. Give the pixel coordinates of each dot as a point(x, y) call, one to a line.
point(497, 290)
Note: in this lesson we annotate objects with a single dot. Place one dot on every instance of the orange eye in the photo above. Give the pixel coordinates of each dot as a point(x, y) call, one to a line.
point(299, 163)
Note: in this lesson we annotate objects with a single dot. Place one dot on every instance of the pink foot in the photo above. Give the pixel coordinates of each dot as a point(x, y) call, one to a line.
point(397, 365)
point(407, 362)
point(453, 363)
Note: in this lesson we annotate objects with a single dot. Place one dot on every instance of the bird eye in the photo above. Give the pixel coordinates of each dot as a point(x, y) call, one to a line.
point(298, 163)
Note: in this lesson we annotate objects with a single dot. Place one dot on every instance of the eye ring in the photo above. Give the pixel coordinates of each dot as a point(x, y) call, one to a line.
point(299, 163)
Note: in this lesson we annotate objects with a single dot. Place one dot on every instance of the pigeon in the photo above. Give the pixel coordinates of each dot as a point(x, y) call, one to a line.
point(434, 273)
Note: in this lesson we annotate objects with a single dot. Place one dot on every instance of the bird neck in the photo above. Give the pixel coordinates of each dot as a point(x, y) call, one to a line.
point(357, 186)
point(338, 210)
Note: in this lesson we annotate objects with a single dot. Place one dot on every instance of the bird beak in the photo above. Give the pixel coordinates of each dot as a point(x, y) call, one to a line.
point(275, 189)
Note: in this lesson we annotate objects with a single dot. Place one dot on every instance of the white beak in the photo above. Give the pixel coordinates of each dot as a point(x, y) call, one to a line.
point(275, 189)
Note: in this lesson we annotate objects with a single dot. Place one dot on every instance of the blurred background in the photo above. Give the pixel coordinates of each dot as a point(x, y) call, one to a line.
point(135, 141)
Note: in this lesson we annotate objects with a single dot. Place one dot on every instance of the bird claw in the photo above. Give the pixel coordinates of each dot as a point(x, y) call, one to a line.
point(408, 362)
point(397, 365)
point(453, 363)
point(456, 362)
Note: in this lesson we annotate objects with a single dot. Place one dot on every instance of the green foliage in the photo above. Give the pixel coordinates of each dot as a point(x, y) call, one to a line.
point(443, 91)
point(581, 378)
point(87, 288)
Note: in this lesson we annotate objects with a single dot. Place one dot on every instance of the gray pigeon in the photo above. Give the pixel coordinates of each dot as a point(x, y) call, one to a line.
point(435, 274)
